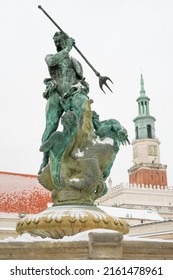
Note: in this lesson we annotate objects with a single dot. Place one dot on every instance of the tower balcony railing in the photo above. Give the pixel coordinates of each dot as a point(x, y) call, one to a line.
point(142, 186)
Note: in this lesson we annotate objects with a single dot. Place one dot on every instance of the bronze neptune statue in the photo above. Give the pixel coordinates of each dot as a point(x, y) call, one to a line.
point(77, 159)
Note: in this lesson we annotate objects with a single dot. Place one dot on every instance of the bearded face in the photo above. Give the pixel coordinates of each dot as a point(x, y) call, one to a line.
point(60, 41)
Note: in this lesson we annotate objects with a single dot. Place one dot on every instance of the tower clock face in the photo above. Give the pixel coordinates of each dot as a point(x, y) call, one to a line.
point(152, 150)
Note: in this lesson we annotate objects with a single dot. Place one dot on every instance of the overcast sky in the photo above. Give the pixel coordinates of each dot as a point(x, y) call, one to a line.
point(121, 39)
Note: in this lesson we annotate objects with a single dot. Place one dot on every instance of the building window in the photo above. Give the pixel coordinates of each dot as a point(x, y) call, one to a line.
point(137, 132)
point(149, 135)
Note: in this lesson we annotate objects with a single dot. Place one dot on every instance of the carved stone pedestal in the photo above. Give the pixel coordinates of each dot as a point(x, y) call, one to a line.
point(59, 221)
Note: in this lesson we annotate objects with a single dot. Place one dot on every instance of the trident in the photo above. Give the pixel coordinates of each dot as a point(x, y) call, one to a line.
point(102, 79)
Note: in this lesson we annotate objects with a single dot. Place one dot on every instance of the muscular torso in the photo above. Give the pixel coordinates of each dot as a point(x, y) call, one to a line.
point(62, 71)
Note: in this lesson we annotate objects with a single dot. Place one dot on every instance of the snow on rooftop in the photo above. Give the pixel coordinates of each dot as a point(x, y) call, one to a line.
point(132, 213)
point(8, 215)
point(114, 211)
point(15, 182)
point(7, 229)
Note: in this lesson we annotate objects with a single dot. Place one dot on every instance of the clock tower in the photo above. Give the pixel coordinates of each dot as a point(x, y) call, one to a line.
point(146, 169)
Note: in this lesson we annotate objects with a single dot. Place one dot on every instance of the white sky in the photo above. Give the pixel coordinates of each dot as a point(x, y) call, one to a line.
point(120, 38)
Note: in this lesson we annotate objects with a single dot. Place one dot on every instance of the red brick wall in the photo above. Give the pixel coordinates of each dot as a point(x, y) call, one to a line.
point(22, 193)
point(148, 177)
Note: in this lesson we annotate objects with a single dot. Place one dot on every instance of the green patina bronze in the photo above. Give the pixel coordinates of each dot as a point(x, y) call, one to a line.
point(77, 160)
point(77, 154)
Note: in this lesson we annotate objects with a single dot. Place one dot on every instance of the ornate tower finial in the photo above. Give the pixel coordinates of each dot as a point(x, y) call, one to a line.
point(142, 91)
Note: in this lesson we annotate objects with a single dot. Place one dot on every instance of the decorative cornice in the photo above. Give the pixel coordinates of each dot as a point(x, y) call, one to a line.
point(147, 165)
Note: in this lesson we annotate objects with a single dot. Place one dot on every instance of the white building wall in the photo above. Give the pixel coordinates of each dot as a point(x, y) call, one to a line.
point(140, 197)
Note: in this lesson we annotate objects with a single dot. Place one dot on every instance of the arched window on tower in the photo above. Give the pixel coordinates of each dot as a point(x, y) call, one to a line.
point(136, 132)
point(149, 131)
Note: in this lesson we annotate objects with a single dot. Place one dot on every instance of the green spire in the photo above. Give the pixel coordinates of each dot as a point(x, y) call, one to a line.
point(142, 91)
point(144, 122)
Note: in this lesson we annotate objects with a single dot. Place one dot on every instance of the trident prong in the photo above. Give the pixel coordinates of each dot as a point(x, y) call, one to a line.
point(102, 81)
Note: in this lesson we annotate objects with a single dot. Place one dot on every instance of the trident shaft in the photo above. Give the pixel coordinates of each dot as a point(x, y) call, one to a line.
point(102, 79)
